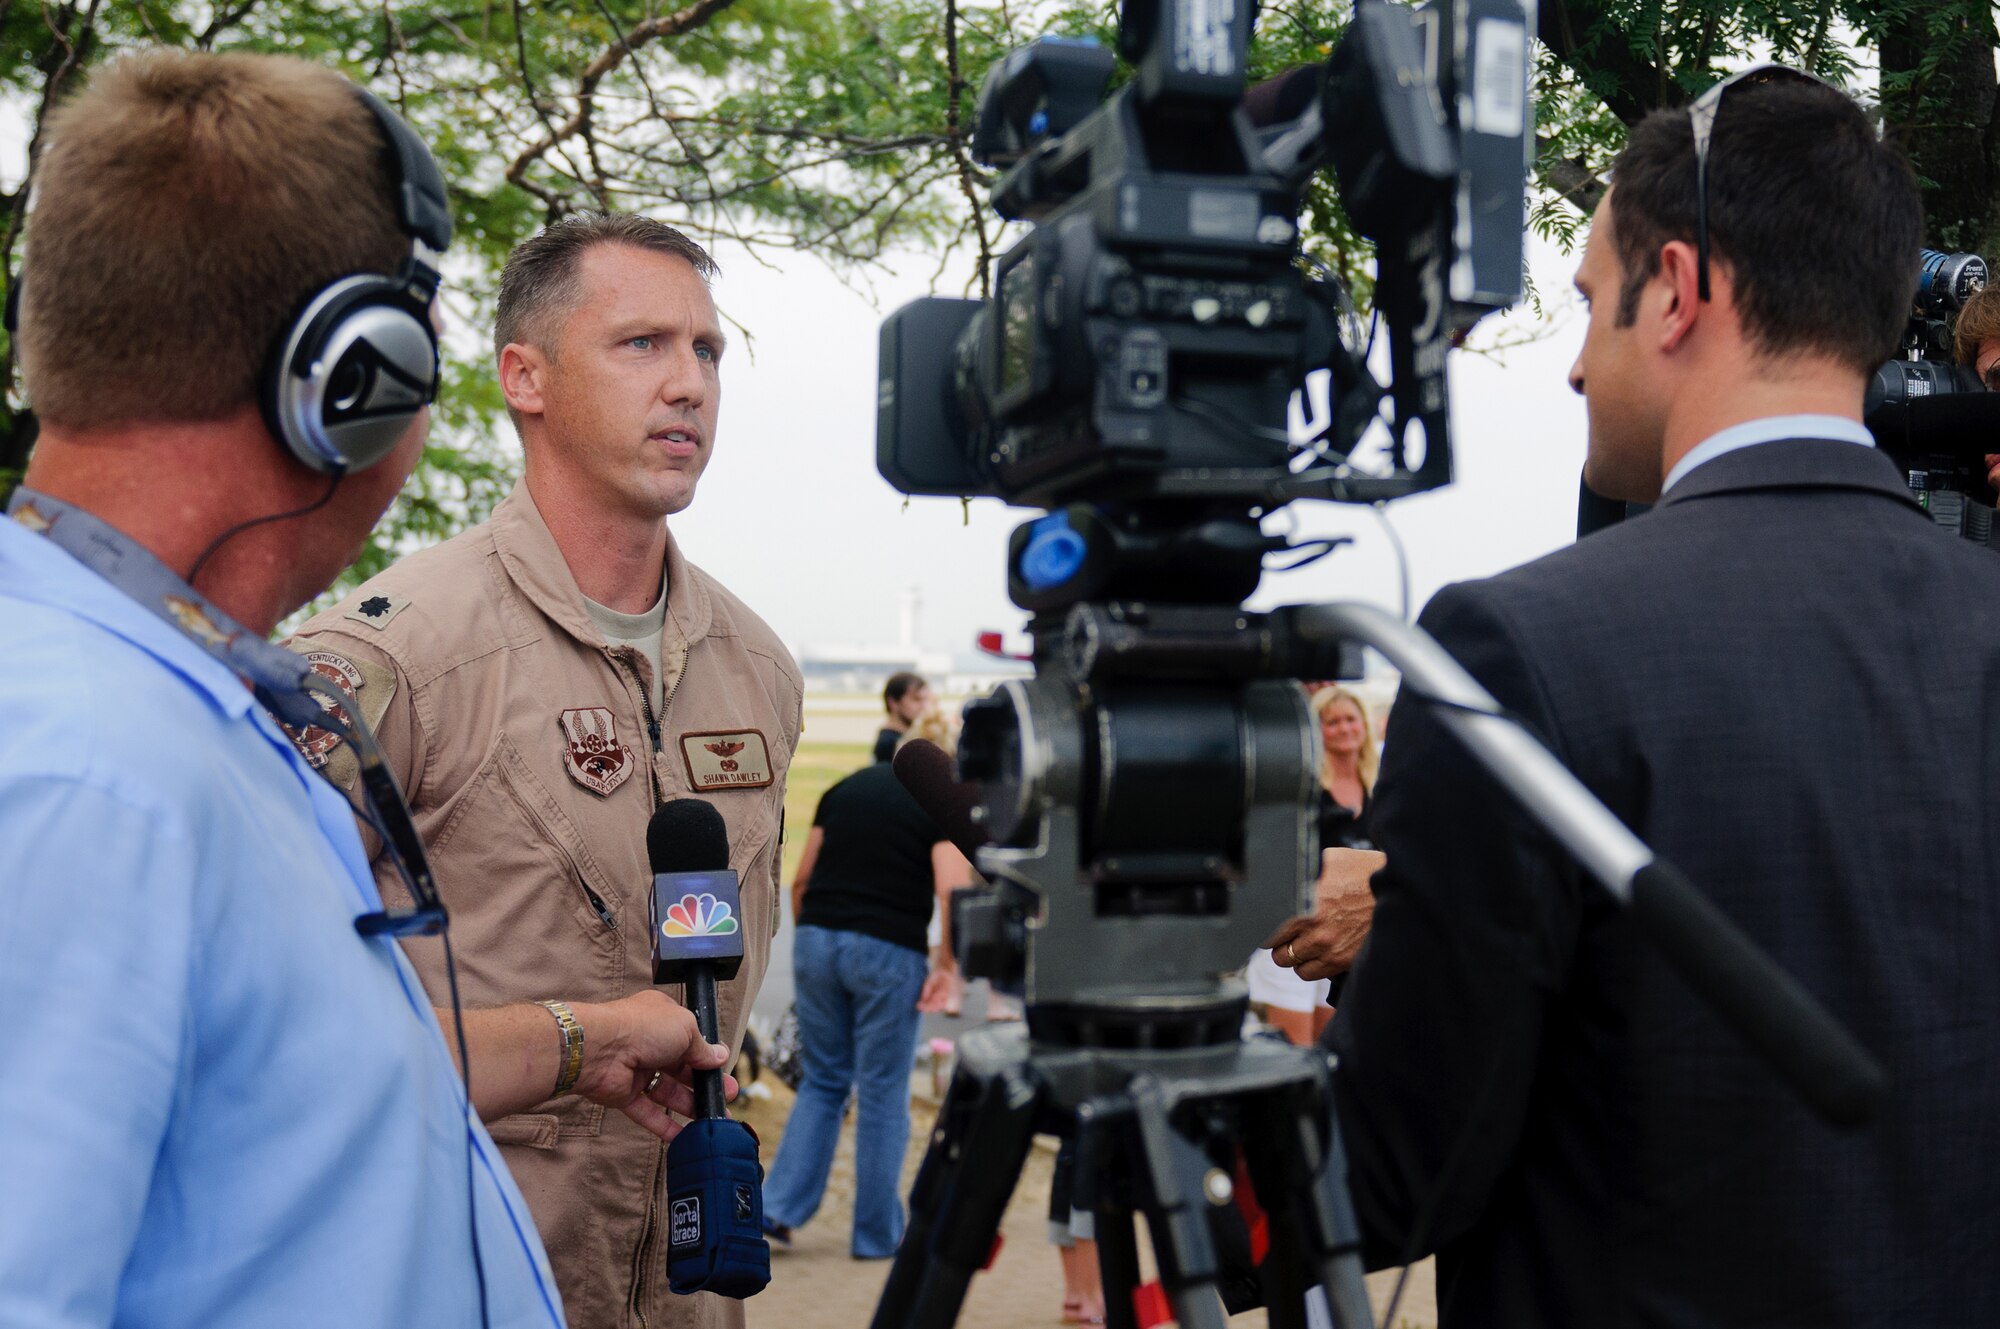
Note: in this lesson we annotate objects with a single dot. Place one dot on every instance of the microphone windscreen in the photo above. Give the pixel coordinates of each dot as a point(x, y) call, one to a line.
point(928, 772)
point(1283, 97)
point(687, 835)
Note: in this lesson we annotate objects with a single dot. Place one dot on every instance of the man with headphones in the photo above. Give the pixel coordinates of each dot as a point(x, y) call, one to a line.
point(228, 1101)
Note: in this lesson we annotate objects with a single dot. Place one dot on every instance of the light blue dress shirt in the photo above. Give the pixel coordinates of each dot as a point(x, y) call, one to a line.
point(220, 1106)
point(1770, 429)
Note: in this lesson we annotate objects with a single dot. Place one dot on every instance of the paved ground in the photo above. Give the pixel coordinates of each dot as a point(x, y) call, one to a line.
point(816, 1285)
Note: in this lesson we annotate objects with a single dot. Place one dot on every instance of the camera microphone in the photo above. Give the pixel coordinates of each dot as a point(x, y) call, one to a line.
point(715, 1184)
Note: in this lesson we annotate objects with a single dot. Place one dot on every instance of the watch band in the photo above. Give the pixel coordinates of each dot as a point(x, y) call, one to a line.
point(572, 1045)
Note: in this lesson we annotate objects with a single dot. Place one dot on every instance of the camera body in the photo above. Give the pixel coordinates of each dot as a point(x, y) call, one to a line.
point(1931, 415)
point(1145, 337)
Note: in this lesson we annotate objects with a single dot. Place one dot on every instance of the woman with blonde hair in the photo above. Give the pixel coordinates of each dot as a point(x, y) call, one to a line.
point(1348, 763)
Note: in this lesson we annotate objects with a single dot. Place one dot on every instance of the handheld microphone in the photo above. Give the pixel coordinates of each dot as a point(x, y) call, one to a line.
point(715, 1185)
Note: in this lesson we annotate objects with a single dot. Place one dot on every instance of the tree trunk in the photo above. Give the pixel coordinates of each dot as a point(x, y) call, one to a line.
point(1945, 121)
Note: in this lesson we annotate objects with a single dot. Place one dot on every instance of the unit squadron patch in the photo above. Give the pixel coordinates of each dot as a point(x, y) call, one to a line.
point(315, 743)
point(730, 759)
point(592, 754)
point(368, 687)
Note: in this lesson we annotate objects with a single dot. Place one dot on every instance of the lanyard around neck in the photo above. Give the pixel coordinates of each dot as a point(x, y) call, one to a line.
point(282, 682)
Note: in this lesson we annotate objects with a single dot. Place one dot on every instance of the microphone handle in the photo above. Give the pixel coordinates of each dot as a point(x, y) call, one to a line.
point(709, 1098)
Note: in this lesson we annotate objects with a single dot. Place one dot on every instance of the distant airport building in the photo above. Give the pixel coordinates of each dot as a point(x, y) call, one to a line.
point(846, 667)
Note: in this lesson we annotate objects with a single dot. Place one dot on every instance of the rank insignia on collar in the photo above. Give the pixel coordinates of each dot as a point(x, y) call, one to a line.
point(727, 759)
point(31, 517)
point(592, 754)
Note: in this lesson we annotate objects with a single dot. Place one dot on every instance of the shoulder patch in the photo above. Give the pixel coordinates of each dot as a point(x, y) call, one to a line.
point(369, 687)
point(377, 608)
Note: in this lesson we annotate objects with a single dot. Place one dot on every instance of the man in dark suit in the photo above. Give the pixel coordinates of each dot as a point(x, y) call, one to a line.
point(1787, 681)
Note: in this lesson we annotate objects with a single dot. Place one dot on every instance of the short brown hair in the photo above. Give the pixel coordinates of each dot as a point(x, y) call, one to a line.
point(186, 207)
point(1978, 323)
point(1815, 217)
point(541, 285)
point(899, 685)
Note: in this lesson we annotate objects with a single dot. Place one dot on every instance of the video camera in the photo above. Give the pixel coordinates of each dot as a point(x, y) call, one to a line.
point(1932, 416)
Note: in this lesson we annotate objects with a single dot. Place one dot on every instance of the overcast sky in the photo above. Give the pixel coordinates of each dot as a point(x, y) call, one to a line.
point(794, 518)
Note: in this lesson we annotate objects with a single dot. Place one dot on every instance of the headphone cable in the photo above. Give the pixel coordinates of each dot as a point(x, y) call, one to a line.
point(333, 483)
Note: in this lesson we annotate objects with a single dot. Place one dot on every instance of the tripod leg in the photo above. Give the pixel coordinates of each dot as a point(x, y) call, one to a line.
point(1301, 1179)
point(1176, 1206)
point(1283, 1272)
point(980, 1152)
point(942, 1159)
point(1117, 1265)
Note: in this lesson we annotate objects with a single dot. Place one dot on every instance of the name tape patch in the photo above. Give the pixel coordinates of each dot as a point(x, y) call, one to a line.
point(730, 759)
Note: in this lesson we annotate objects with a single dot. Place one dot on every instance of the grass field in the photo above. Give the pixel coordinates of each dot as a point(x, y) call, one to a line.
point(815, 768)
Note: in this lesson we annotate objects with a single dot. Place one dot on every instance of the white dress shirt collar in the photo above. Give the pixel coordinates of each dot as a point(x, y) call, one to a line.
point(1770, 429)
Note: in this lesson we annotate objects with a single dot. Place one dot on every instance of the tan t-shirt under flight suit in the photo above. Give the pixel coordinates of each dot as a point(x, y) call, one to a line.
point(533, 755)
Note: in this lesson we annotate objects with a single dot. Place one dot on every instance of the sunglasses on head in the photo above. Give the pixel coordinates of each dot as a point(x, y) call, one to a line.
point(1701, 113)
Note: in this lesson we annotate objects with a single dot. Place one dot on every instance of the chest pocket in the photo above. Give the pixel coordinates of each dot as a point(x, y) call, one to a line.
point(509, 844)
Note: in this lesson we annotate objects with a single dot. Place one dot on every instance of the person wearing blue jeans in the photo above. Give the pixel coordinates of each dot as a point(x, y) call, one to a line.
point(857, 1004)
point(874, 863)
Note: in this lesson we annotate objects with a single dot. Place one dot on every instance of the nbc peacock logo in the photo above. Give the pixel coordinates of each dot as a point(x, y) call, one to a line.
point(698, 916)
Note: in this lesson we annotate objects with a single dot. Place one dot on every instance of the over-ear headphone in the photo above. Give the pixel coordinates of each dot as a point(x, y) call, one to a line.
point(345, 378)
point(360, 359)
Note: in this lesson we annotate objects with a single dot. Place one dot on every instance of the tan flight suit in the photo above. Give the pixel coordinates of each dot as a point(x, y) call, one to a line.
point(532, 761)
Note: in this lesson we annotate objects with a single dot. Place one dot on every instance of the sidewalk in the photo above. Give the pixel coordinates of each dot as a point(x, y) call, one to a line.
point(816, 1285)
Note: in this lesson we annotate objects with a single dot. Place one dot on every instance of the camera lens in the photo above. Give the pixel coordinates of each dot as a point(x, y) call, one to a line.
point(1946, 281)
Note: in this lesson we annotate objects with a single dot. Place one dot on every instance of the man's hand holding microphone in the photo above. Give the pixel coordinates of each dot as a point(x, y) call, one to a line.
point(638, 1054)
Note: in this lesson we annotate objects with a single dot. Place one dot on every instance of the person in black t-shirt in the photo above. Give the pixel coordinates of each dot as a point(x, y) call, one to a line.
point(905, 697)
point(873, 866)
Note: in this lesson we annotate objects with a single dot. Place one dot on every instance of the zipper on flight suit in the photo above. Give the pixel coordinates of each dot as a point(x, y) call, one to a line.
point(645, 1252)
point(604, 913)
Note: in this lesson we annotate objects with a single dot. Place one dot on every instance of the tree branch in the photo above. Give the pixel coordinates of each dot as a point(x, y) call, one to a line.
point(1557, 28)
point(1573, 180)
point(223, 21)
point(955, 131)
point(625, 45)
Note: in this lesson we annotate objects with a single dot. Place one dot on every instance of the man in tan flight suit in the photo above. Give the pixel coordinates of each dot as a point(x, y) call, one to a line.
point(542, 682)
